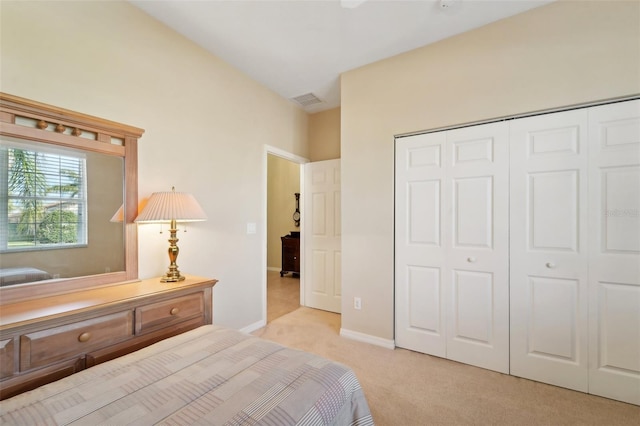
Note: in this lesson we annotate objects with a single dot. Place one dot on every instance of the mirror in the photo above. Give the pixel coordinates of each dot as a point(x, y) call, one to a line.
point(86, 174)
point(66, 231)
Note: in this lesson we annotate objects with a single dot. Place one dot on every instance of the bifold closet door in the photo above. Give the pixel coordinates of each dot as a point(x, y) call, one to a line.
point(518, 247)
point(477, 249)
point(420, 252)
point(614, 264)
point(549, 254)
point(452, 283)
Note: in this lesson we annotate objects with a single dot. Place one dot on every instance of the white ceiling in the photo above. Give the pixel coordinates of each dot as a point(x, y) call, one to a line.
point(296, 47)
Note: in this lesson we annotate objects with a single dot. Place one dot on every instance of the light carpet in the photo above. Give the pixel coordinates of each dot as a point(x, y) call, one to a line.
point(408, 388)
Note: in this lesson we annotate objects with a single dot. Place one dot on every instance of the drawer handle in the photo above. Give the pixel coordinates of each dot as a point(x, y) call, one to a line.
point(550, 265)
point(84, 337)
point(471, 259)
point(174, 311)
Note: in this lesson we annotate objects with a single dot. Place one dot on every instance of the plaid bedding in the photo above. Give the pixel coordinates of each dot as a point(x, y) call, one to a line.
point(210, 375)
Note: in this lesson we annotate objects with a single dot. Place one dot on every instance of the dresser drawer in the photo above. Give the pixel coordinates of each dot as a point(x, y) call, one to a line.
point(7, 357)
point(44, 347)
point(166, 313)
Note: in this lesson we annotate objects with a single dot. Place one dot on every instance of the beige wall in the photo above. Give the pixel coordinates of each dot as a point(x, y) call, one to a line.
point(562, 54)
point(324, 135)
point(283, 181)
point(206, 123)
point(206, 126)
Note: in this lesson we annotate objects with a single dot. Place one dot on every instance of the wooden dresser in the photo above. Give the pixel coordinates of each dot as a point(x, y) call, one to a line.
point(48, 338)
point(290, 254)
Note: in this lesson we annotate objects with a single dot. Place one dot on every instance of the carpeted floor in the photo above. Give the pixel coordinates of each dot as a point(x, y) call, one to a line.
point(408, 388)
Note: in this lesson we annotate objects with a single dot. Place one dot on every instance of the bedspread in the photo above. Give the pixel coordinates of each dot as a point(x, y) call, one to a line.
point(210, 375)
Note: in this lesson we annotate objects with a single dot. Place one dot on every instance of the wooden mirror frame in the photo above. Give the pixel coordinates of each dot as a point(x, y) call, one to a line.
point(70, 129)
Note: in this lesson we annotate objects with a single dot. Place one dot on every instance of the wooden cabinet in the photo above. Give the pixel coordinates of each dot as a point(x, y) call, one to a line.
point(159, 315)
point(45, 347)
point(290, 254)
point(45, 339)
point(7, 358)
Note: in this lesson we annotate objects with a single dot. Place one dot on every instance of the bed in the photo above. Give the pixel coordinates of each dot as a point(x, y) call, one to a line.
point(9, 276)
point(211, 375)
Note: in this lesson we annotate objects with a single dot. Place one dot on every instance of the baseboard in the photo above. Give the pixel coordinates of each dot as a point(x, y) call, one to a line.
point(367, 338)
point(273, 268)
point(253, 327)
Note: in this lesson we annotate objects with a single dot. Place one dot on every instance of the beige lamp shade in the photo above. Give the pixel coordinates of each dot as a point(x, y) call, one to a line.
point(118, 216)
point(171, 207)
point(167, 206)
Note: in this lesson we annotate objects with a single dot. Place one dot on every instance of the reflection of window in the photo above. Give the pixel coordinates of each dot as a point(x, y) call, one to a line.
point(44, 199)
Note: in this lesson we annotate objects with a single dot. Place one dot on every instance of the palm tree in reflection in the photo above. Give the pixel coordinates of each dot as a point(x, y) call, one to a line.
point(61, 225)
point(71, 187)
point(44, 212)
point(27, 183)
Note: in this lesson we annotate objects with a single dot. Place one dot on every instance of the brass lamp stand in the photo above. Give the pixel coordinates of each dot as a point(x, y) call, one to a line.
point(173, 274)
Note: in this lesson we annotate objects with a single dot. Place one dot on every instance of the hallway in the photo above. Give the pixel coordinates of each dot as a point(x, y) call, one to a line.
point(283, 295)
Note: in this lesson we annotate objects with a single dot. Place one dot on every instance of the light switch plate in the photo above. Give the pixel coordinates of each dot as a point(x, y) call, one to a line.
point(251, 228)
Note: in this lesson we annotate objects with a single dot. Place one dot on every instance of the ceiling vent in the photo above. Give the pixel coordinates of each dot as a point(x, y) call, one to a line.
point(307, 99)
point(449, 4)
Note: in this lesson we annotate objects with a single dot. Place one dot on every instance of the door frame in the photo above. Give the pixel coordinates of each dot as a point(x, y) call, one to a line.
point(278, 152)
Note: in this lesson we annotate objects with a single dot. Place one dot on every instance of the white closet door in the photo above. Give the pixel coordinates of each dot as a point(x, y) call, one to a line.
point(452, 245)
point(477, 252)
point(614, 268)
point(420, 321)
point(548, 199)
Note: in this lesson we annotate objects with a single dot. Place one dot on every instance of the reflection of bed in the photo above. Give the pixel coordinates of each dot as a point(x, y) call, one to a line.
point(9, 276)
point(210, 375)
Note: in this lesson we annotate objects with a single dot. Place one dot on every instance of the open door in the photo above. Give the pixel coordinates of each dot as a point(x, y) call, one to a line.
point(321, 226)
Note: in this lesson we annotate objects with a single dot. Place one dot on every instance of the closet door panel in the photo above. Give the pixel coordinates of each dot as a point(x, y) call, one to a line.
point(552, 215)
point(619, 196)
point(423, 295)
point(423, 215)
point(473, 212)
point(553, 325)
point(614, 274)
point(473, 308)
point(548, 199)
point(477, 254)
point(420, 321)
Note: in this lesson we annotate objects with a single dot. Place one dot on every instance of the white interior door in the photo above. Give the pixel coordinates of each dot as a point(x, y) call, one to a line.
point(420, 256)
point(322, 255)
point(477, 252)
point(614, 264)
point(548, 253)
point(452, 288)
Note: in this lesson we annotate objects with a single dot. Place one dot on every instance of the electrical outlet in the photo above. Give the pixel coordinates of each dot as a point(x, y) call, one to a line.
point(357, 303)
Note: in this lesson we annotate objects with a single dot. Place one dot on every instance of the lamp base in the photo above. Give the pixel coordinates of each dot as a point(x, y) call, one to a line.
point(173, 274)
point(172, 279)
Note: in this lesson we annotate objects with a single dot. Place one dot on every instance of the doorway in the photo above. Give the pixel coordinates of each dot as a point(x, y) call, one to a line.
point(282, 285)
